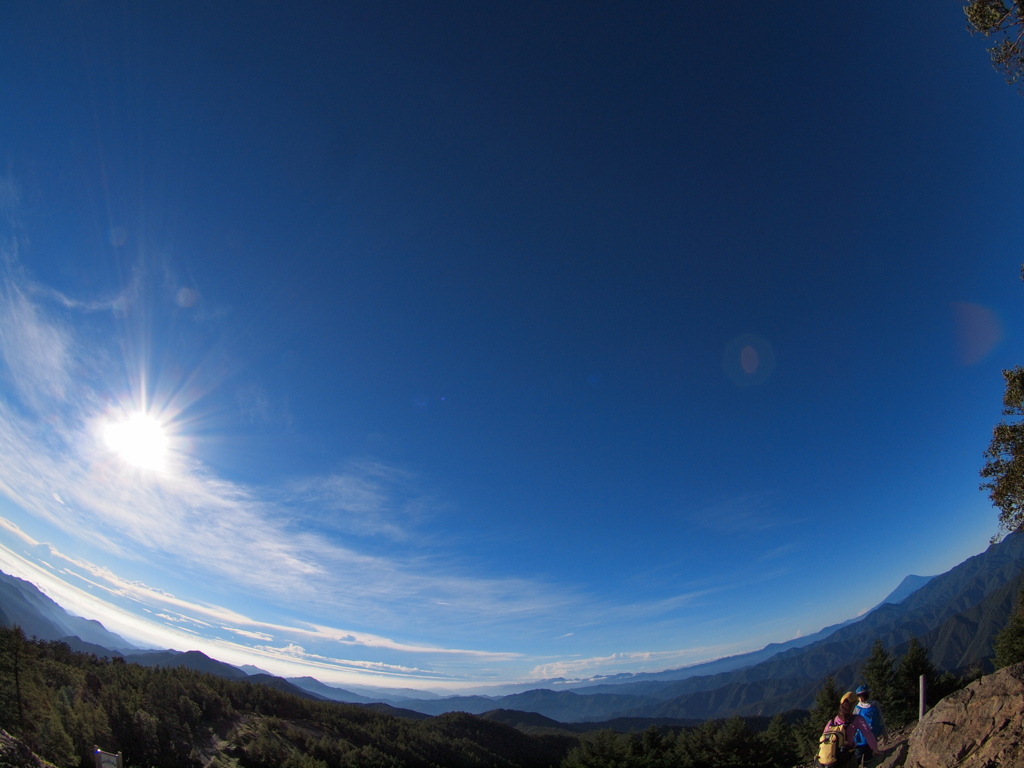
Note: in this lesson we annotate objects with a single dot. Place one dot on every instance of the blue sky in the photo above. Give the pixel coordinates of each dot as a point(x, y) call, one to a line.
point(498, 342)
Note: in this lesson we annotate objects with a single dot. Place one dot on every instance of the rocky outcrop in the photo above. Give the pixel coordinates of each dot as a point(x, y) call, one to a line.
point(14, 753)
point(980, 726)
point(894, 756)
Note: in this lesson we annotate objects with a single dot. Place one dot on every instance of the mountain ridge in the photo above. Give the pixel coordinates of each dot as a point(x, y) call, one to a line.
point(789, 677)
point(955, 614)
point(23, 603)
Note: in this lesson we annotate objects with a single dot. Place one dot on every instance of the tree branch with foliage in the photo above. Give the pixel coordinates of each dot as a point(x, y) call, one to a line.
point(879, 676)
point(1003, 21)
point(1004, 459)
point(1009, 643)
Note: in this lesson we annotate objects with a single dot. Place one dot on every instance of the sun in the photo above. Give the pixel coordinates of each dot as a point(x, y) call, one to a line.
point(139, 440)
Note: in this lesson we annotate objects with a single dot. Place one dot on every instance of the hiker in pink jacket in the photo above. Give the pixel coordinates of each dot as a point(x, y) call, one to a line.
point(852, 723)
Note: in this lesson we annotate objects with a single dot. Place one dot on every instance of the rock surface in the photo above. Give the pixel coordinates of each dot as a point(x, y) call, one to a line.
point(14, 753)
point(980, 726)
point(895, 756)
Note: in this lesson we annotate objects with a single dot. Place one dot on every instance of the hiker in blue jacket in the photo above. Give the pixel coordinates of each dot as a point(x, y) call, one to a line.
point(853, 725)
point(871, 712)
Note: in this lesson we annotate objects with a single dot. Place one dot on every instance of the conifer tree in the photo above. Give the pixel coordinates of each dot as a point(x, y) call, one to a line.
point(603, 750)
point(879, 676)
point(735, 744)
point(780, 744)
point(12, 707)
point(826, 704)
point(53, 742)
point(911, 666)
point(1009, 642)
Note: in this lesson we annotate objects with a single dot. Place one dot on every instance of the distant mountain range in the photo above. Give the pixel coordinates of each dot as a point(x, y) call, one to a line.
point(23, 604)
point(955, 615)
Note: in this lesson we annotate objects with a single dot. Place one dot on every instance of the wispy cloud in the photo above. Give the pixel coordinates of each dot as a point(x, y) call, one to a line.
point(118, 303)
point(297, 652)
point(637, 661)
point(312, 547)
point(127, 605)
point(785, 550)
point(56, 468)
point(743, 515)
point(253, 635)
point(35, 351)
point(364, 498)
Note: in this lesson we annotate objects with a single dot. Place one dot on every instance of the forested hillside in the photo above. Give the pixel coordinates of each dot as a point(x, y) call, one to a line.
point(62, 703)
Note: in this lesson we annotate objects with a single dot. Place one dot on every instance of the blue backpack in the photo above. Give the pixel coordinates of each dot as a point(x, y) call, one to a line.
point(870, 713)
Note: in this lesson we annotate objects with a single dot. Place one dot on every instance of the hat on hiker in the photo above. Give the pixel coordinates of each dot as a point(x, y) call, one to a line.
point(861, 689)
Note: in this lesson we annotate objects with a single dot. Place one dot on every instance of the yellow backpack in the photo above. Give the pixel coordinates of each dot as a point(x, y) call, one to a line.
point(831, 743)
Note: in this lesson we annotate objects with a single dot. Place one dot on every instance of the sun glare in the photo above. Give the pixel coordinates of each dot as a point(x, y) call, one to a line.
point(139, 440)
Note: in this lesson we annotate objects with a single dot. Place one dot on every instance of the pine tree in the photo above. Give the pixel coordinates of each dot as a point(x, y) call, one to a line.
point(735, 744)
point(911, 666)
point(826, 704)
point(879, 676)
point(780, 744)
point(53, 742)
point(605, 749)
point(1009, 642)
point(12, 707)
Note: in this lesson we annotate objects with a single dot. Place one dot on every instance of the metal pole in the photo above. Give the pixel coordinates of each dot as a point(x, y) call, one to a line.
point(921, 697)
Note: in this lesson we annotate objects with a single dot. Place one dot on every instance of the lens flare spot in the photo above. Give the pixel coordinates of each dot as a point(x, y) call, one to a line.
point(187, 297)
point(139, 440)
point(978, 332)
point(748, 360)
